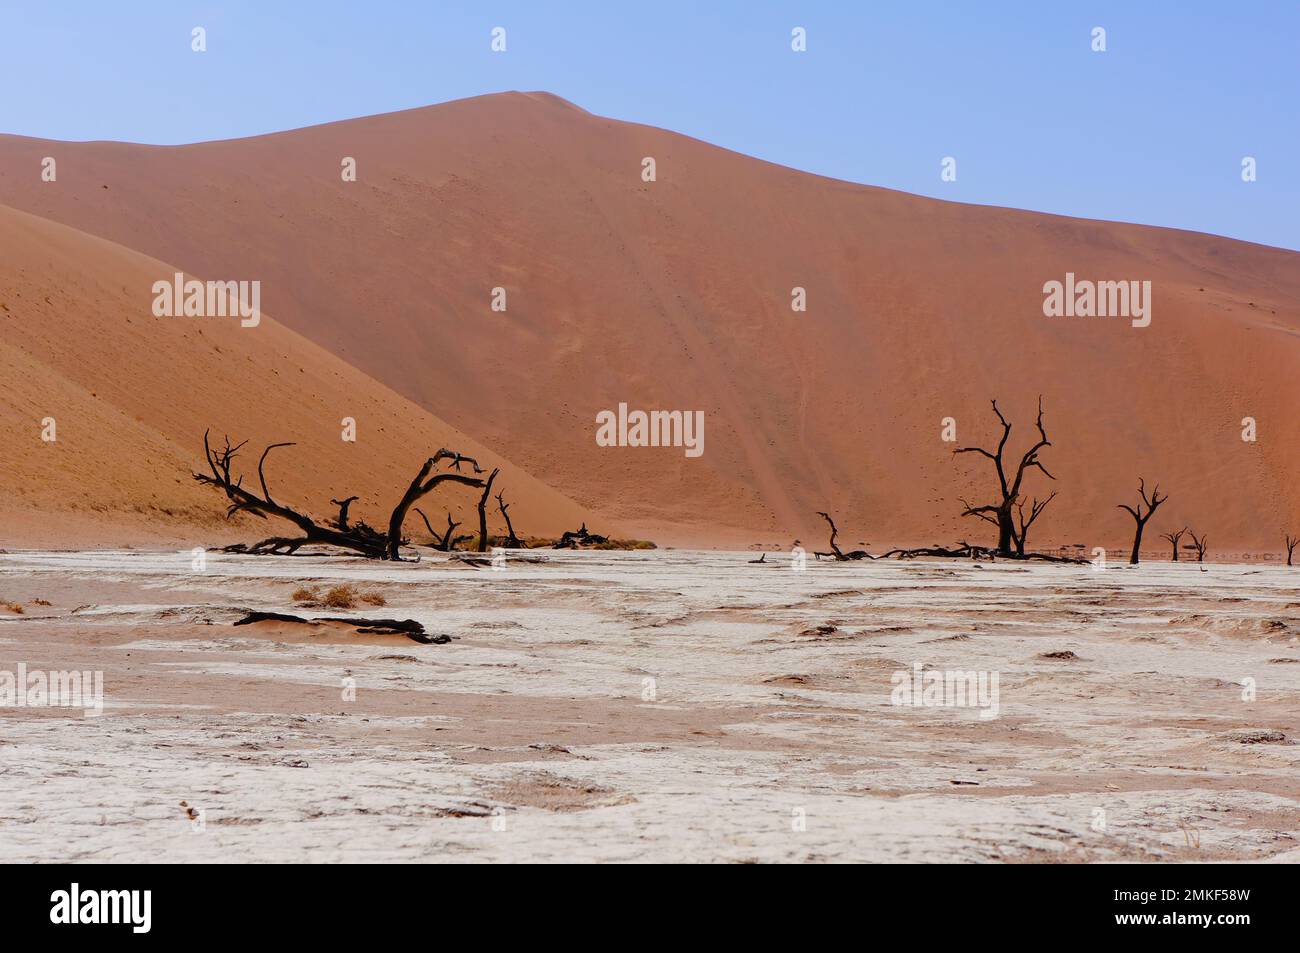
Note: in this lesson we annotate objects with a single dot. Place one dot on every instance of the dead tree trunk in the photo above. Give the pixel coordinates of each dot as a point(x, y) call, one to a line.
point(1035, 509)
point(1198, 544)
point(1291, 543)
point(1140, 518)
point(482, 512)
point(512, 541)
point(1173, 540)
point(357, 537)
point(999, 512)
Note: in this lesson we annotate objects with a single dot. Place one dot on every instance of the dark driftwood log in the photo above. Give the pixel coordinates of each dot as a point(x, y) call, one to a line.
point(272, 546)
point(967, 551)
point(1140, 518)
point(407, 627)
point(475, 561)
point(962, 551)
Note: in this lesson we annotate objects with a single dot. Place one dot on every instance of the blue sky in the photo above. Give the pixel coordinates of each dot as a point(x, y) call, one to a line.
point(1153, 130)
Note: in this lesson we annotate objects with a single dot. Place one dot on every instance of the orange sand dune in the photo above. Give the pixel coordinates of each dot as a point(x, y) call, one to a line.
point(131, 394)
point(675, 294)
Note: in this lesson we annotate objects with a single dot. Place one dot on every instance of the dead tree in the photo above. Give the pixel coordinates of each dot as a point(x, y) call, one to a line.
point(1035, 509)
point(445, 541)
point(1173, 540)
point(408, 627)
point(835, 549)
point(357, 537)
point(1140, 518)
point(1198, 545)
point(421, 486)
point(512, 540)
point(999, 512)
point(1291, 543)
point(482, 511)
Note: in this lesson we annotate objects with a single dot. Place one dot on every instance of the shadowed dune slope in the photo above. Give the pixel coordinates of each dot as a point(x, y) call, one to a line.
point(130, 395)
point(675, 294)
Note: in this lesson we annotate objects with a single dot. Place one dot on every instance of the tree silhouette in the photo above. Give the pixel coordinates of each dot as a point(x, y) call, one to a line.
point(1173, 539)
point(999, 512)
point(1140, 518)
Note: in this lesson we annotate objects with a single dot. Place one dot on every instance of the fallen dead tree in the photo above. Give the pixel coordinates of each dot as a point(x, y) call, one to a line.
point(836, 552)
point(344, 534)
point(962, 551)
point(968, 551)
point(408, 627)
point(478, 561)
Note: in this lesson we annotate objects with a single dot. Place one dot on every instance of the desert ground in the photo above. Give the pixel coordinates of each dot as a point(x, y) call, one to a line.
point(652, 706)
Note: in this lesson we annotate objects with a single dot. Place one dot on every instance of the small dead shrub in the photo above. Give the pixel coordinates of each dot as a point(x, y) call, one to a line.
point(343, 596)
